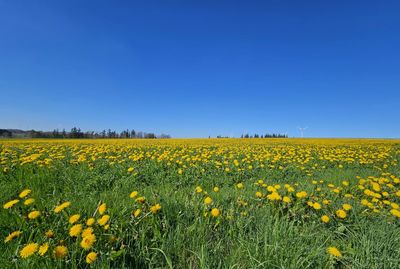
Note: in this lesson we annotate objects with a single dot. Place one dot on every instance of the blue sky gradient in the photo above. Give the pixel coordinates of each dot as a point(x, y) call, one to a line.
point(200, 68)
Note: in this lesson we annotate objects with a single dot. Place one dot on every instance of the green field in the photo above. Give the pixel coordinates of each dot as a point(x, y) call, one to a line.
point(263, 221)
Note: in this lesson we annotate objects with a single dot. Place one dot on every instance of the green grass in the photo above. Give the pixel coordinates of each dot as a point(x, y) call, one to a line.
point(180, 236)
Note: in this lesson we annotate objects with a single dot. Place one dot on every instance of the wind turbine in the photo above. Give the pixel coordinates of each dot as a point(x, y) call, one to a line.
point(302, 129)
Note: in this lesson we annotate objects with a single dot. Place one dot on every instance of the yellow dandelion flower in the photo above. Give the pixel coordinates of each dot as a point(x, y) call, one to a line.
point(49, 234)
point(61, 207)
point(259, 194)
point(28, 250)
point(347, 207)
point(90, 221)
point(341, 213)
point(29, 201)
point(87, 231)
point(91, 257)
point(334, 252)
point(74, 218)
point(10, 204)
point(155, 208)
point(290, 189)
point(75, 230)
point(130, 169)
point(137, 212)
point(286, 199)
point(103, 220)
point(394, 205)
point(140, 200)
point(301, 194)
point(216, 189)
point(43, 249)
point(274, 196)
point(317, 206)
point(215, 212)
point(395, 212)
point(102, 208)
point(24, 193)
point(60, 252)
point(325, 219)
point(240, 186)
point(12, 235)
point(208, 200)
point(88, 241)
point(34, 214)
point(133, 194)
point(198, 189)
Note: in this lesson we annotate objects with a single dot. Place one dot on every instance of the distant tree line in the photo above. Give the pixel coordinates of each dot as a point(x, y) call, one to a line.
point(78, 133)
point(257, 136)
point(264, 136)
point(5, 133)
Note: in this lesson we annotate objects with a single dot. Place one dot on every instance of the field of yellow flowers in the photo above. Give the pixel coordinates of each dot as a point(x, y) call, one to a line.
point(200, 203)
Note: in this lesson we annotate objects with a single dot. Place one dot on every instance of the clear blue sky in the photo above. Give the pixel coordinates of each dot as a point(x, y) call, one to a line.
point(200, 68)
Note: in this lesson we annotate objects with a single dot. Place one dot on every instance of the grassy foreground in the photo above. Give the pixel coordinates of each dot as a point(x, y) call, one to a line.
point(211, 203)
